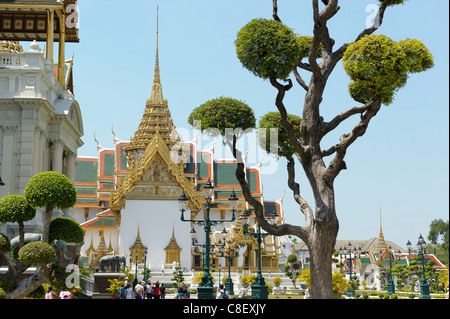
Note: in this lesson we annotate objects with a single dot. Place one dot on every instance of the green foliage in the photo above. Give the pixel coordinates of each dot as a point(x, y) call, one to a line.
point(2, 294)
point(268, 48)
point(272, 121)
point(67, 229)
point(418, 57)
point(37, 253)
point(7, 282)
point(292, 258)
point(393, 2)
point(58, 277)
point(15, 208)
point(223, 113)
point(5, 244)
point(50, 189)
point(178, 276)
point(379, 66)
point(114, 286)
point(394, 296)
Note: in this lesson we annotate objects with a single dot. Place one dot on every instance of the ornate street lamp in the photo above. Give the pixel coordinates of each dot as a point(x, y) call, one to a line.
point(390, 285)
point(145, 264)
point(135, 281)
point(259, 288)
point(205, 289)
point(424, 287)
point(229, 286)
point(343, 252)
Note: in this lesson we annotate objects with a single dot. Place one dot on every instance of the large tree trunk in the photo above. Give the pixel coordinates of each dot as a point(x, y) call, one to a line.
point(46, 223)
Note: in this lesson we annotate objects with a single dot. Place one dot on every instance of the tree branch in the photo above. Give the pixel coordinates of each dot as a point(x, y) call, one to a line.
point(283, 113)
point(295, 187)
point(281, 230)
point(275, 10)
point(329, 126)
point(339, 53)
point(300, 80)
point(338, 164)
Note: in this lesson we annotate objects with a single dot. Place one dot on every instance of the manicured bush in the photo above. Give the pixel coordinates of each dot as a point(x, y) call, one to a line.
point(394, 296)
point(67, 229)
point(50, 189)
point(268, 48)
point(411, 296)
point(365, 296)
point(15, 208)
point(37, 253)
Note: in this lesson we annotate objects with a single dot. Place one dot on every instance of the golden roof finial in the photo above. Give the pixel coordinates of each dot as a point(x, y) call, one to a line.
point(157, 78)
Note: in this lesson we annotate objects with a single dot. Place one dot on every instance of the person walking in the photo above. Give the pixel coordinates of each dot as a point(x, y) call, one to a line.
point(222, 293)
point(138, 290)
point(129, 294)
point(122, 291)
point(162, 289)
point(149, 290)
point(156, 291)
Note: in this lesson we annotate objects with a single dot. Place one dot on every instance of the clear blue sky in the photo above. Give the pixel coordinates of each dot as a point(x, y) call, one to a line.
point(400, 165)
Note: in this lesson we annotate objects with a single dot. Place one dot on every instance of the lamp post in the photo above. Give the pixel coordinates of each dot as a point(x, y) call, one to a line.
point(229, 286)
point(390, 285)
point(259, 288)
point(205, 290)
point(424, 287)
point(344, 251)
point(145, 264)
point(135, 281)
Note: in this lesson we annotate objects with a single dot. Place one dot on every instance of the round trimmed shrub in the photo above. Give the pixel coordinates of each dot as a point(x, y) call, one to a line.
point(268, 48)
point(5, 244)
point(221, 114)
point(50, 189)
point(67, 229)
point(37, 253)
point(15, 208)
point(272, 121)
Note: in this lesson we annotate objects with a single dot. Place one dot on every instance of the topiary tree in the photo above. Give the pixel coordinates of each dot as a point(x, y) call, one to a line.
point(37, 253)
point(377, 66)
point(292, 268)
point(50, 190)
point(16, 209)
point(67, 229)
point(224, 116)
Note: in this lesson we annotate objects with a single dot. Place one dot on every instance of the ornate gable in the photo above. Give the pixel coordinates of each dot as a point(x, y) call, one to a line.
point(155, 176)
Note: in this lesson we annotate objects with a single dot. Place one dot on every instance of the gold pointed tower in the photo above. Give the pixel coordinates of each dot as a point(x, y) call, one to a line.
point(381, 245)
point(156, 118)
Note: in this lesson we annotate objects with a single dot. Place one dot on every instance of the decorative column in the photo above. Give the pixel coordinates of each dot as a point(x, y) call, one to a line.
point(58, 147)
point(62, 44)
point(50, 34)
point(7, 159)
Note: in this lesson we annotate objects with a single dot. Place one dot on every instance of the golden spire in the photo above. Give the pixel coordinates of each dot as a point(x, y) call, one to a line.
point(156, 117)
point(157, 95)
point(157, 78)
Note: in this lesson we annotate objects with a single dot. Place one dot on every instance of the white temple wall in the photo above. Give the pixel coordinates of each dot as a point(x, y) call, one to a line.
point(156, 219)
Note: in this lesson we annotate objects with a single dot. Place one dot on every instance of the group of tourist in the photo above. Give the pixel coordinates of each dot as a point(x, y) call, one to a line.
point(143, 290)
